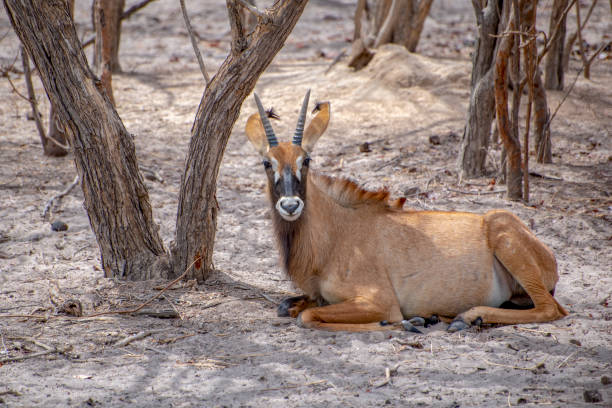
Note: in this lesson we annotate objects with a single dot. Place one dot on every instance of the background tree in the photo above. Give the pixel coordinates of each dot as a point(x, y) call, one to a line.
point(553, 64)
point(386, 21)
point(491, 20)
point(116, 198)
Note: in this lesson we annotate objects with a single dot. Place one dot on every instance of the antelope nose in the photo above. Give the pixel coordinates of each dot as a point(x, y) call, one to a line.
point(290, 206)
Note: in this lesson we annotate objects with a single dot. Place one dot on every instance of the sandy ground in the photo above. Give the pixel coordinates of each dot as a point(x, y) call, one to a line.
point(228, 348)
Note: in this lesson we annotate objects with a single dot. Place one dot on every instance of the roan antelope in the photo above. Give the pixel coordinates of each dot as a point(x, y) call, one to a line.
point(364, 263)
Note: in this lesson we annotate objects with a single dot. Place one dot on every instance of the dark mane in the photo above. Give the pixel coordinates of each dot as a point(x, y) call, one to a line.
point(347, 193)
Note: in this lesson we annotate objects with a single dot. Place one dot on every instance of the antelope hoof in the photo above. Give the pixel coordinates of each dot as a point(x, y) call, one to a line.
point(410, 327)
point(457, 325)
point(417, 321)
point(292, 306)
point(434, 319)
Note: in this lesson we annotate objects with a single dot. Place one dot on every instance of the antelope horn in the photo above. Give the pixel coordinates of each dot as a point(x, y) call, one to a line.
point(299, 130)
point(272, 141)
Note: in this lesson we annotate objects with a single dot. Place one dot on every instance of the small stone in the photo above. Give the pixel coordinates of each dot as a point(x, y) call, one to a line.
point(605, 380)
point(521, 401)
point(576, 342)
point(434, 140)
point(412, 191)
point(365, 147)
point(592, 396)
point(59, 226)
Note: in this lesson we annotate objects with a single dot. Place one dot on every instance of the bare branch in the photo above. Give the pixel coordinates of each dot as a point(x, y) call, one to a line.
point(32, 97)
point(194, 43)
point(67, 190)
point(556, 32)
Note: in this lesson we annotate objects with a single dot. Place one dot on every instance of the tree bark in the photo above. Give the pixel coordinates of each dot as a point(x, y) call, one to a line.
point(57, 132)
point(387, 21)
point(553, 64)
point(217, 113)
point(508, 131)
point(107, 23)
point(116, 199)
point(475, 141)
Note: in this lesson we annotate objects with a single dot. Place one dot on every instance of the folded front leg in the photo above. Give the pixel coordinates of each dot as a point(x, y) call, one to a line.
point(354, 315)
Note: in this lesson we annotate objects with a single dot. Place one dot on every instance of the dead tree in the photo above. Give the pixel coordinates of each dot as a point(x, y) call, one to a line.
point(116, 199)
point(491, 20)
point(386, 21)
point(217, 113)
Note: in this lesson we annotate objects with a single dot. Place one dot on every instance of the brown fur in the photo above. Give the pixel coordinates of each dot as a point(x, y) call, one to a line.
point(371, 261)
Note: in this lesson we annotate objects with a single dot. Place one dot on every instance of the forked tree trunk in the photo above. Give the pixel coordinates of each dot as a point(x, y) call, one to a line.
point(553, 63)
point(387, 21)
point(116, 198)
point(217, 113)
point(491, 21)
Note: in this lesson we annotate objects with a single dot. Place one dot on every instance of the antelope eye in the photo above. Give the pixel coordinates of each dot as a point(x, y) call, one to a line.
point(267, 164)
point(306, 161)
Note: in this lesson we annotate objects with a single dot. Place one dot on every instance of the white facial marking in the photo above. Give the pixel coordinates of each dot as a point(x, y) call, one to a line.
point(298, 167)
point(290, 201)
point(275, 168)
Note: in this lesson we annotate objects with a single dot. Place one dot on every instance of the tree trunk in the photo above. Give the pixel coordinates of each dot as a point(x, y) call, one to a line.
point(543, 144)
point(107, 23)
point(508, 131)
point(553, 64)
point(56, 137)
point(217, 113)
point(475, 141)
point(387, 21)
point(116, 199)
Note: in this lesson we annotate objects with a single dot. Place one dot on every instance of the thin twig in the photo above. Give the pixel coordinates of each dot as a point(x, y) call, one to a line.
point(130, 311)
point(555, 32)
point(194, 42)
point(564, 97)
point(58, 196)
point(137, 336)
point(475, 192)
point(27, 356)
point(566, 359)
point(173, 307)
point(32, 96)
point(335, 61)
point(510, 366)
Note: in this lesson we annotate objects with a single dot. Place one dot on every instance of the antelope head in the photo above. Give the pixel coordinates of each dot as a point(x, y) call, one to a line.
point(286, 163)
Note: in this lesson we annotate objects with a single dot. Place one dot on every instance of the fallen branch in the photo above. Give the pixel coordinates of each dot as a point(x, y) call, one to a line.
point(138, 336)
point(161, 292)
point(66, 191)
point(475, 192)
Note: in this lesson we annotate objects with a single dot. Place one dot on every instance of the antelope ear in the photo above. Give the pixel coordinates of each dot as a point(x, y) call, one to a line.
point(256, 134)
point(317, 126)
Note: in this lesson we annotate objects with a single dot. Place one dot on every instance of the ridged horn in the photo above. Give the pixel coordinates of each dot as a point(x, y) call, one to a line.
point(299, 130)
point(272, 141)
